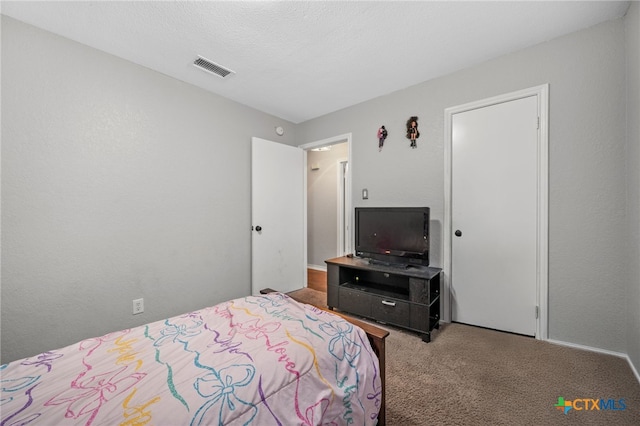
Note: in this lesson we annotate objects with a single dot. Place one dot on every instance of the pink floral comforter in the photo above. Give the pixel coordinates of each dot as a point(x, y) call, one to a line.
point(264, 360)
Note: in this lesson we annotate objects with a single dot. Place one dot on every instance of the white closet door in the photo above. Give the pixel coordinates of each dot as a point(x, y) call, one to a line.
point(494, 209)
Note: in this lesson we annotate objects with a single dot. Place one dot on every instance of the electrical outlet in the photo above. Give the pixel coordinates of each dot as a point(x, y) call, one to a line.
point(138, 306)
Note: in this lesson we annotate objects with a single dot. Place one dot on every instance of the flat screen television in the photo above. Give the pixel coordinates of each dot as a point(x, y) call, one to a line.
point(393, 235)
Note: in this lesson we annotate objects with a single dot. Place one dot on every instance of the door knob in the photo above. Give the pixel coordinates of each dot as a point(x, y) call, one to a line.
point(458, 233)
point(258, 228)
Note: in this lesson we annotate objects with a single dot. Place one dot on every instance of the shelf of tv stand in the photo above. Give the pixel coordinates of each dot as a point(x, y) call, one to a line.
point(405, 296)
point(379, 290)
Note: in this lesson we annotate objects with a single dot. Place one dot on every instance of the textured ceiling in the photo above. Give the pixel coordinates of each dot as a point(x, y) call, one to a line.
point(301, 60)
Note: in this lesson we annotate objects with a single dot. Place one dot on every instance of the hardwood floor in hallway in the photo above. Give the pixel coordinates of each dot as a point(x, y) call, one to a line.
point(317, 280)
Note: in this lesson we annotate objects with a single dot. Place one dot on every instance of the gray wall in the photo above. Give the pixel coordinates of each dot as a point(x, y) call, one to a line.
point(117, 183)
point(588, 277)
point(322, 204)
point(632, 27)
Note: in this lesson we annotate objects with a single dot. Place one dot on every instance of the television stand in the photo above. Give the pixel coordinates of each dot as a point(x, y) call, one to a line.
point(407, 297)
point(387, 264)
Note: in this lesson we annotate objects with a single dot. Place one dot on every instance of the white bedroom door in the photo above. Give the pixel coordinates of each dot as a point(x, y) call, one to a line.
point(494, 213)
point(277, 216)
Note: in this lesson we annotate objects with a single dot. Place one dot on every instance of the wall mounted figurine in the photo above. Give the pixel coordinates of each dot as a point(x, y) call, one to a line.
point(382, 135)
point(412, 131)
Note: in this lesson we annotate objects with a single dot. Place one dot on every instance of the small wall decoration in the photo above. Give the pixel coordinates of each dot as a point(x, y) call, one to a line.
point(412, 131)
point(382, 135)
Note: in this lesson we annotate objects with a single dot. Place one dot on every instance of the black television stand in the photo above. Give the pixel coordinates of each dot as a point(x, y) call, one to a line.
point(383, 263)
point(401, 295)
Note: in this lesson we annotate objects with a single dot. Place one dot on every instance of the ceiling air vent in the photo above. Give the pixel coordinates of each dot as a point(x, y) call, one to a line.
point(212, 67)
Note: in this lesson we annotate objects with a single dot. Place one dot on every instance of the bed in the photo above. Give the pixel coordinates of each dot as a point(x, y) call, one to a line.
point(258, 360)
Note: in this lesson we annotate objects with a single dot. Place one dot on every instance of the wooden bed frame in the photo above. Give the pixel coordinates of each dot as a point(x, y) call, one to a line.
point(376, 336)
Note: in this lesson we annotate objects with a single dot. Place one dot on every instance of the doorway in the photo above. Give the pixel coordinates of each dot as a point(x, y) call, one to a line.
point(495, 230)
point(327, 200)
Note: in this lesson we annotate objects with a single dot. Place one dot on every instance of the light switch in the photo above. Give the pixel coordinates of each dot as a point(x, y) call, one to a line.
point(365, 194)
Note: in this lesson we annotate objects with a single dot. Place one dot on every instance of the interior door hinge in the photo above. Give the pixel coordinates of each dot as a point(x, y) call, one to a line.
point(538, 123)
point(537, 312)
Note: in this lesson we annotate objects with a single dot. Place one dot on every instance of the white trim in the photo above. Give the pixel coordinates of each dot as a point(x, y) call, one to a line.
point(587, 348)
point(633, 368)
point(600, 351)
point(343, 219)
point(542, 267)
point(446, 237)
point(328, 141)
point(318, 267)
point(542, 331)
point(304, 212)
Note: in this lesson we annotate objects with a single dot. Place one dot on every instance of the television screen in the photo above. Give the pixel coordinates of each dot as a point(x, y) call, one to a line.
point(393, 234)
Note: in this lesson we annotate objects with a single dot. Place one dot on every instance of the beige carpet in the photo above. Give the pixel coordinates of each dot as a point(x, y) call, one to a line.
point(474, 376)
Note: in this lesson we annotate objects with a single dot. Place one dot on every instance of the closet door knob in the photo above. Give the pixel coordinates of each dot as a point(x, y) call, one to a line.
point(258, 228)
point(458, 233)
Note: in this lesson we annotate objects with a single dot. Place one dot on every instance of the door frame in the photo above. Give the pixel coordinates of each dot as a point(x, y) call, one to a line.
point(542, 263)
point(348, 201)
point(343, 217)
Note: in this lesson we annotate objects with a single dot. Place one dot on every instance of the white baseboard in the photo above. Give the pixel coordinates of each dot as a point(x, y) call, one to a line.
point(317, 267)
point(587, 348)
point(598, 350)
point(633, 368)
